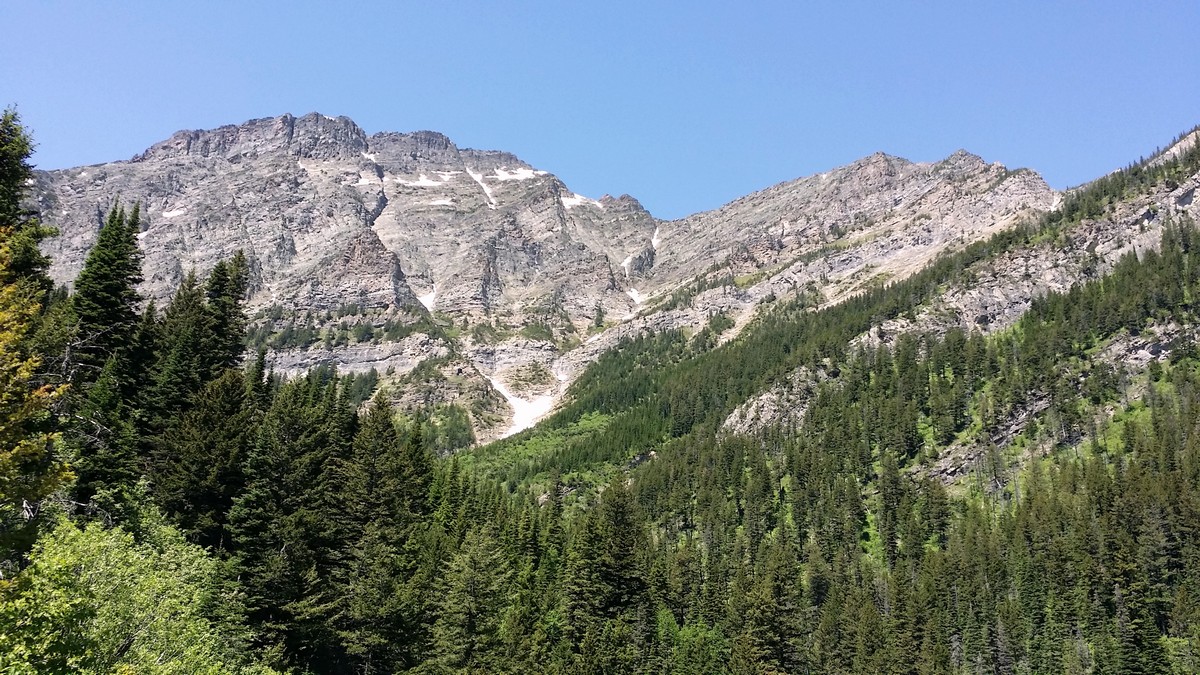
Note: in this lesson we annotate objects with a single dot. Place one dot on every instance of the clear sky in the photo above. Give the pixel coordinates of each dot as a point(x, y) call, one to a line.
point(684, 105)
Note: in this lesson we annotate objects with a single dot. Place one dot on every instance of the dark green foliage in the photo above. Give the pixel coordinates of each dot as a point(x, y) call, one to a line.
point(633, 532)
point(285, 534)
point(186, 359)
point(472, 599)
point(23, 229)
point(225, 291)
point(106, 298)
point(198, 467)
point(107, 466)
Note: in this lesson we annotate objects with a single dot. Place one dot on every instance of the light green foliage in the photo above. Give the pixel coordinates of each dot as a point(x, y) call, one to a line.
point(532, 459)
point(30, 465)
point(97, 601)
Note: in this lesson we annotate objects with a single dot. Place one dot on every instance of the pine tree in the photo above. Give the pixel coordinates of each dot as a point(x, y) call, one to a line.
point(376, 528)
point(225, 290)
point(371, 479)
point(284, 531)
point(108, 466)
point(372, 619)
point(23, 231)
point(106, 298)
point(773, 606)
point(583, 591)
point(474, 595)
point(622, 539)
point(198, 467)
point(185, 360)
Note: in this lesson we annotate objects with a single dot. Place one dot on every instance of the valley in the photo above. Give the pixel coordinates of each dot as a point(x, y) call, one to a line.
point(311, 400)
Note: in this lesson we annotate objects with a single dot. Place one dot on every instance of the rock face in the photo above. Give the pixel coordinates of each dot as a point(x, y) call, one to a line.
point(999, 290)
point(499, 269)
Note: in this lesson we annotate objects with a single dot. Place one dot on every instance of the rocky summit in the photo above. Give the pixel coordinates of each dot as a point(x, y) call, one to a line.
point(475, 280)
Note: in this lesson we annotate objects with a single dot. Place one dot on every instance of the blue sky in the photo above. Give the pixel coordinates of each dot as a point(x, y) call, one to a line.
point(682, 105)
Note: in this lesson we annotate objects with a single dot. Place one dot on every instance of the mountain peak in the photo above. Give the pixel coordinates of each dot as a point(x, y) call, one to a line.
point(313, 135)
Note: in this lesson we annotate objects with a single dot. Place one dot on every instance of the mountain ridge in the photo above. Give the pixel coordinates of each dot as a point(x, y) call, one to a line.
point(514, 266)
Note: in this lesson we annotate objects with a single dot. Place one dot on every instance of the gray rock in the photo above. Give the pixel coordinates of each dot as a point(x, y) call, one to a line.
point(410, 228)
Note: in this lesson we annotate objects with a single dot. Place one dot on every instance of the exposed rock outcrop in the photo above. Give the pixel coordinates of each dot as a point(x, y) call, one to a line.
point(511, 266)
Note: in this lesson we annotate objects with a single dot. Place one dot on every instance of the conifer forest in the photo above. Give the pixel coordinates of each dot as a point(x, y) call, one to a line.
point(170, 504)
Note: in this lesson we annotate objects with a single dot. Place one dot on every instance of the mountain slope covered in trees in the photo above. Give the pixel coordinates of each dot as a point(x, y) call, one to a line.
point(168, 509)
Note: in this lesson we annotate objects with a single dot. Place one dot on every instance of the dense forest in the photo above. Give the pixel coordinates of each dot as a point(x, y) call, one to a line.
point(167, 504)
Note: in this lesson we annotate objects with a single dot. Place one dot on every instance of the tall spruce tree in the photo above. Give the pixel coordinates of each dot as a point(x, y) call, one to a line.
point(23, 231)
point(285, 531)
point(474, 595)
point(106, 297)
point(108, 465)
point(226, 290)
point(198, 468)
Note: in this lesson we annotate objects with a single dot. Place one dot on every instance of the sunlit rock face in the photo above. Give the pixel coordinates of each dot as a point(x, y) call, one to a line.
point(494, 264)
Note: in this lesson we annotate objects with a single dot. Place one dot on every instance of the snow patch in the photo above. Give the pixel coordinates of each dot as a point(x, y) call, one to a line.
point(447, 174)
point(442, 202)
point(174, 212)
point(626, 263)
point(519, 174)
point(428, 299)
point(655, 240)
point(368, 155)
point(579, 200)
point(422, 181)
point(487, 191)
point(635, 296)
point(525, 413)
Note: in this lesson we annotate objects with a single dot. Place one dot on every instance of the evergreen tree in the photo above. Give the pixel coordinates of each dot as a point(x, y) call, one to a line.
point(106, 298)
point(473, 597)
point(583, 591)
point(108, 466)
point(31, 467)
point(621, 541)
point(199, 464)
point(377, 527)
point(226, 290)
point(185, 358)
point(21, 229)
point(284, 531)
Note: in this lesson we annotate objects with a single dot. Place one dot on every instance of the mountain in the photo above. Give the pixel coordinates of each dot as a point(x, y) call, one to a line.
point(391, 250)
point(895, 418)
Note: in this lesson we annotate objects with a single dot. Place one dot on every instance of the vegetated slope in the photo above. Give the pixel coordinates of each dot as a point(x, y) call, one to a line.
point(471, 279)
point(634, 531)
point(665, 385)
point(1101, 223)
point(832, 544)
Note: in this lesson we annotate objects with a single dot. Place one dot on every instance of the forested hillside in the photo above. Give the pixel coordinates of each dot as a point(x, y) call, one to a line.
point(168, 504)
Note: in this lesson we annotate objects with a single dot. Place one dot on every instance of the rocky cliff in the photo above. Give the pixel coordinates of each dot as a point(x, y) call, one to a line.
point(395, 250)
